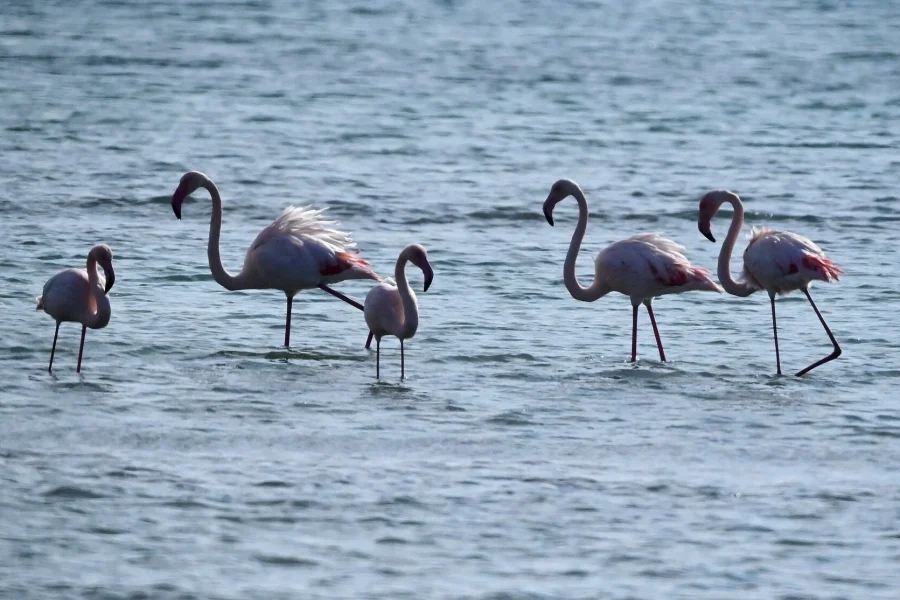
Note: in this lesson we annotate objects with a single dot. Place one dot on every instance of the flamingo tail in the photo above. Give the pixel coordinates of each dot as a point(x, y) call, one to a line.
point(825, 267)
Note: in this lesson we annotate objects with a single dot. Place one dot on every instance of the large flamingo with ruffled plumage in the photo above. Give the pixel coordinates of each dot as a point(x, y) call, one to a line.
point(298, 251)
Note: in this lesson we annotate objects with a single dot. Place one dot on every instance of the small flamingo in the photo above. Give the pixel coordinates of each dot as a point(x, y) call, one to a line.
point(391, 307)
point(298, 251)
point(80, 295)
point(776, 261)
point(641, 267)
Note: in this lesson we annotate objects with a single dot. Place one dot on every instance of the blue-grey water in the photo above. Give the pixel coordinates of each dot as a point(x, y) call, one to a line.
point(524, 457)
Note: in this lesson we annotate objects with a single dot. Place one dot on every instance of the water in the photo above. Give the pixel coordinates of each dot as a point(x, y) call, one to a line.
point(524, 457)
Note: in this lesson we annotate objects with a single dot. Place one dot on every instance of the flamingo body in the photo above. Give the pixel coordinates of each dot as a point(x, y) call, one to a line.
point(297, 251)
point(641, 267)
point(648, 265)
point(778, 262)
point(80, 296)
point(392, 308)
point(782, 261)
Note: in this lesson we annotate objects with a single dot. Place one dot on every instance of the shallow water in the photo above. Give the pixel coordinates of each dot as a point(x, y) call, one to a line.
point(524, 457)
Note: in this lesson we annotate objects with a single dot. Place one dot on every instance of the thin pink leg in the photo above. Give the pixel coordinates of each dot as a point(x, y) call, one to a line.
point(775, 331)
point(837, 348)
point(402, 366)
point(634, 335)
point(662, 354)
point(378, 359)
point(287, 323)
point(369, 340)
point(53, 350)
point(81, 348)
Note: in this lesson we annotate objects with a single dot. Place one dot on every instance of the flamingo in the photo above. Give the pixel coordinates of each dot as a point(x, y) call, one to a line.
point(391, 307)
point(298, 251)
point(641, 267)
point(80, 295)
point(776, 261)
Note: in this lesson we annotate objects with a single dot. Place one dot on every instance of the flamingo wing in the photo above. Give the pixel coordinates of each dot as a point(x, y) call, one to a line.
point(383, 309)
point(299, 250)
point(783, 260)
point(648, 265)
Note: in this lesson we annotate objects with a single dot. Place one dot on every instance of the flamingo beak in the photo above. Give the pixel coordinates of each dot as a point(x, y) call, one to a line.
point(549, 203)
point(177, 201)
point(703, 226)
point(429, 276)
point(110, 276)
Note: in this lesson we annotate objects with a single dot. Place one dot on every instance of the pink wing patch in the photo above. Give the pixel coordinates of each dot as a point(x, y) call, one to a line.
point(825, 266)
point(343, 262)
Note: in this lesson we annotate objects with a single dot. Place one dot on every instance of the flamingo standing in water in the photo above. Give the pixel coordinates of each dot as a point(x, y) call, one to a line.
point(776, 261)
point(391, 307)
point(80, 295)
point(641, 267)
point(298, 251)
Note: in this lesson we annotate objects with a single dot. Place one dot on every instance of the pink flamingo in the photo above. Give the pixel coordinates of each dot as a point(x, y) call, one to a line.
point(776, 261)
point(391, 307)
point(298, 251)
point(642, 267)
point(80, 295)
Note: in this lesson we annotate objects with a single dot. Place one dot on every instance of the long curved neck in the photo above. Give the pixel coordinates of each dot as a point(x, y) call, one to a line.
point(410, 306)
point(735, 288)
point(579, 292)
point(222, 277)
point(101, 317)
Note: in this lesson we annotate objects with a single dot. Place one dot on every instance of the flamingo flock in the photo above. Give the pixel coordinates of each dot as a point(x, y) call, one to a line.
point(300, 250)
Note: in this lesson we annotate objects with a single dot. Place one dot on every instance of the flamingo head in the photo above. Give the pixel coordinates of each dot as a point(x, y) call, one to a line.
point(189, 183)
point(104, 256)
point(419, 256)
point(559, 191)
point(709, 206)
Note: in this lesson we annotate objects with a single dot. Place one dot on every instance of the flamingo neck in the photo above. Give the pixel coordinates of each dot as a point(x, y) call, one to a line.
point(222, 277)
point(579, 292)
point(407, 298)
point(735, 288)
point(101, 317)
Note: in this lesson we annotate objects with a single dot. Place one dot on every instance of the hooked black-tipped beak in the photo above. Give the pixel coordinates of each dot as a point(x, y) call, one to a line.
point(429, 275)
point(110, 277)
point(549, 203)
point(704, 229)
point(177, 201)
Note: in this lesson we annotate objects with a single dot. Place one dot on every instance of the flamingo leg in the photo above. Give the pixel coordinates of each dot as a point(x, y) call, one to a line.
point(634, 334)
point(837, 348)
point(775, 331)
point(53, 350)
point(402, 366)
point(662, 353)
point(378, 359)
point(287, 323)
point(369, 340)
point(337, 294)
point(81, 348)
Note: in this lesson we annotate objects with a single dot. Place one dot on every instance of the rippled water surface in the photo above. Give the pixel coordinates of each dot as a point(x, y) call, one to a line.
point(524, 457)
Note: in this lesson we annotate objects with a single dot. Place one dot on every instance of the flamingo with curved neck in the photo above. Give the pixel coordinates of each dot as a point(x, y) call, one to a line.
point(391, 307)
point(776, 261)
point(641, 267)
point(80, 295)
point(298, 251)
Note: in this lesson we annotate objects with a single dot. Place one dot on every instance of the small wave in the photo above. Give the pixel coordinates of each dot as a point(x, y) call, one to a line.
point(285, 561)
point(70, 492)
